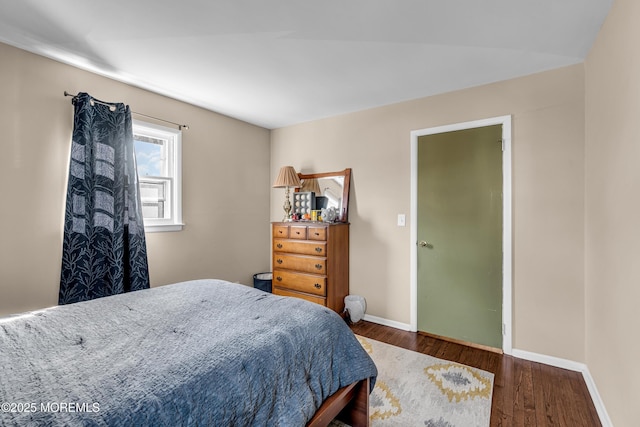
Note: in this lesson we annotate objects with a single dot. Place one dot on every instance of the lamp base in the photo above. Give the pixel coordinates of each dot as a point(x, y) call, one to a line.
point(287, 206)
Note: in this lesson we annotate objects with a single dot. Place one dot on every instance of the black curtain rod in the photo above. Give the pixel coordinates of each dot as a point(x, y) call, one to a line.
point(113, 108)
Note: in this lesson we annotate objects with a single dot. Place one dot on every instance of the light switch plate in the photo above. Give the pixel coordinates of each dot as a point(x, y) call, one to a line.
point(402, 220)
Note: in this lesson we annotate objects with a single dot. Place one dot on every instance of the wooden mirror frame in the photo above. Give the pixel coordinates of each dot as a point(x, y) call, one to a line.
point(344, 215)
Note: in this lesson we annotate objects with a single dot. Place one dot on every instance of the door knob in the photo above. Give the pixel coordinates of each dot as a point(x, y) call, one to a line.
point(424, 244)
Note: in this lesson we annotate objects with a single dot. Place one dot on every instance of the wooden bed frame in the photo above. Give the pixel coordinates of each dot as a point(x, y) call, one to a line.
point(349, 404)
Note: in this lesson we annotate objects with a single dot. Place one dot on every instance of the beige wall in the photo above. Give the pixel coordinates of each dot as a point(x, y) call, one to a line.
point(548, 182)
point(225, 237)
point(613, 212)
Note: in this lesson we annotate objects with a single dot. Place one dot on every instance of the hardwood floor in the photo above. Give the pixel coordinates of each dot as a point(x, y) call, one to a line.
point(524, 394)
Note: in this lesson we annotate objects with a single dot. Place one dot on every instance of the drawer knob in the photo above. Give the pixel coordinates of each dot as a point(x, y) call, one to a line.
point(318, 250)
point(279, 279)
point(279, 245)
point(279, 261)
point(319, 266)
point(318, 285)
point(316, 233)
point(297, 232)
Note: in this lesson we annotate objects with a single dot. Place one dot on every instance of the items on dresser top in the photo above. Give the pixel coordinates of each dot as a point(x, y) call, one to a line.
point(311, 261)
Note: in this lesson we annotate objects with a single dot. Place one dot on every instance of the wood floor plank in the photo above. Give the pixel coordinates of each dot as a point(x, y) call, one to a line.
point(518, 398)
point(502, 402)
point(525, 393)
point(504, 377)
point(541, 391)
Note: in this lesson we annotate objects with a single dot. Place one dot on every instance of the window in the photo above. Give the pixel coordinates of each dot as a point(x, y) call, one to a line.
point(158, 152)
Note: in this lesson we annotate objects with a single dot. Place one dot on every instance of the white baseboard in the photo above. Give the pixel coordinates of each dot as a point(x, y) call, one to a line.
point(533, 357)
point(387, 322)
point(549, 360)
point(597, 400)
point(572, 366)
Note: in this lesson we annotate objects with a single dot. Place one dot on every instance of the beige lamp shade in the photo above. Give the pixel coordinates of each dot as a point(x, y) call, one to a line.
point(287, 177)
point(311, 184)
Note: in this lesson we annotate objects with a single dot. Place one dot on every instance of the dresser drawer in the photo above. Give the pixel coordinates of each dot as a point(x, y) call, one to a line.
point(308, 283)
point(311, 298)
point(306, 264)
point(317, 233)
point(298, 232)
point(304, 248)
point(281, 231)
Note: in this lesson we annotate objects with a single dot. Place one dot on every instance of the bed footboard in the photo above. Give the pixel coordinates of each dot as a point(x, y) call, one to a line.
point(349, 404)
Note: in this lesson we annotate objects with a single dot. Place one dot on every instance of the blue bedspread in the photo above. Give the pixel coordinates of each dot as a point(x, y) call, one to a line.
point(205, 353)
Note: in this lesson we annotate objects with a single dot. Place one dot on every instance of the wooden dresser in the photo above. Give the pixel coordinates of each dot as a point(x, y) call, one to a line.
point(311, 261)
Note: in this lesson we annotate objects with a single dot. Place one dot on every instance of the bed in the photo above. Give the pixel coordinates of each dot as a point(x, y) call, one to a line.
point(197, 353)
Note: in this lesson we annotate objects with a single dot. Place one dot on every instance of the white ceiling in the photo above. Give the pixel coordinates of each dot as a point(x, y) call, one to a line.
point(281, 62)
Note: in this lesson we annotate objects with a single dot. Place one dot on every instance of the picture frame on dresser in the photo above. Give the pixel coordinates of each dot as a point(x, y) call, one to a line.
point(303, 202)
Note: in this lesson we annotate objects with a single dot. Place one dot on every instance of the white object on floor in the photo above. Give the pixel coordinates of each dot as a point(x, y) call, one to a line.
point(355, 305)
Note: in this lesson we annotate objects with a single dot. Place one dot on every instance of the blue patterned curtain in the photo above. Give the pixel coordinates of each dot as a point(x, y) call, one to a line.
point(104, 248)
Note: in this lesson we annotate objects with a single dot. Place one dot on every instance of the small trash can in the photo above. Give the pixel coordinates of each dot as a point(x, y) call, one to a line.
point(262, 281)
point(355, 306)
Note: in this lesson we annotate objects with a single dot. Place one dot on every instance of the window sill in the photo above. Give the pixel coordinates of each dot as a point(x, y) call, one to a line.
point(157, 228)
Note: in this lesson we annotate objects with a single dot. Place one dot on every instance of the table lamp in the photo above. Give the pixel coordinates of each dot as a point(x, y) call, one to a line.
point(287, 177)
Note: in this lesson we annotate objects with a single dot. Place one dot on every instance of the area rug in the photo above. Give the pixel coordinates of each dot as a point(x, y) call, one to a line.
point(414, 389)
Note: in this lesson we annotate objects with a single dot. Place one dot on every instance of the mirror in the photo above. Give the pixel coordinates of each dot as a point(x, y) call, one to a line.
point(331, 188)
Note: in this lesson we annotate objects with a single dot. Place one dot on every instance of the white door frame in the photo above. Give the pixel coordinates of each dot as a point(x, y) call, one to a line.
point(507, 257)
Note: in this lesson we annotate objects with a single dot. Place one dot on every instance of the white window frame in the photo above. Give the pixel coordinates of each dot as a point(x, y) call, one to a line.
point(174, 154)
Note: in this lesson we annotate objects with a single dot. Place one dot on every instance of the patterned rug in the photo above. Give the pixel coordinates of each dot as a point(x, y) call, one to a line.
point(414, 389)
